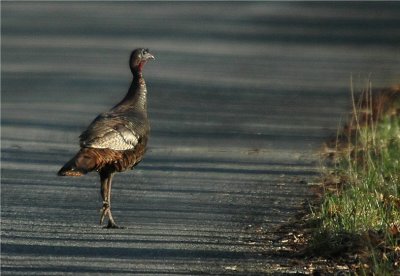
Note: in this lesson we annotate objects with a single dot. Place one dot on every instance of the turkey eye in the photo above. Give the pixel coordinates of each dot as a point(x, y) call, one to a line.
point(144, 52)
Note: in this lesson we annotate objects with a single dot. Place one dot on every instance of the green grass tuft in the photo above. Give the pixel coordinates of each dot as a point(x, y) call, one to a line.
point(361, 214)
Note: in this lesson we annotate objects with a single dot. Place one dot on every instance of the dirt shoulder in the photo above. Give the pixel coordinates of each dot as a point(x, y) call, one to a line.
point(345, 253)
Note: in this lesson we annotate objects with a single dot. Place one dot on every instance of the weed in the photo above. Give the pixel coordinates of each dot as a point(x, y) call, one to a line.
point(360, 210)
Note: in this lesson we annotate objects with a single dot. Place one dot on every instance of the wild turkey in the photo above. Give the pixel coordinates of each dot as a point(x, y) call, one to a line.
point(116, 140)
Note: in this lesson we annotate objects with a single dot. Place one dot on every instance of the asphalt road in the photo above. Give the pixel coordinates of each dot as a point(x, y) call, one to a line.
point(241, 97)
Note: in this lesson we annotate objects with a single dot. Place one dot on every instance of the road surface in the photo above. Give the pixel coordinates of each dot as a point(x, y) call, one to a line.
point(241, 97)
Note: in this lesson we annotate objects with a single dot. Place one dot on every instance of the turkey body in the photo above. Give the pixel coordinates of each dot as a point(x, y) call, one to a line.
point(116, 140)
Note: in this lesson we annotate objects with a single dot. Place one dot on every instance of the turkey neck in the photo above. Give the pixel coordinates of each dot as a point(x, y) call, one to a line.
point(136, 97)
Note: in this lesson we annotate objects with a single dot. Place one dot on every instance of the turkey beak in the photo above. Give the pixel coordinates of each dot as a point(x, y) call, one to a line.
point(148, 56)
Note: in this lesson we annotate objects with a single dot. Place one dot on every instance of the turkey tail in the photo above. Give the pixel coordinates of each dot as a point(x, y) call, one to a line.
point(82, 163)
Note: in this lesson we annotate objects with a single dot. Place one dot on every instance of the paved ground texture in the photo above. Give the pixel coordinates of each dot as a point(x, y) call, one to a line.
point(241, 96)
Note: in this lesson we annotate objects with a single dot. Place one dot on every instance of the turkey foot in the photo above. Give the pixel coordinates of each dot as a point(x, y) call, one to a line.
point(112, 225)
point(106, 212)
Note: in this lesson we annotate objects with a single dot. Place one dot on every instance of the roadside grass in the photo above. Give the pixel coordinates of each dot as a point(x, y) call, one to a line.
point(359, 214)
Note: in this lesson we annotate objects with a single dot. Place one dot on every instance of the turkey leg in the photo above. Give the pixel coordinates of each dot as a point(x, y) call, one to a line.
point(106, 180)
